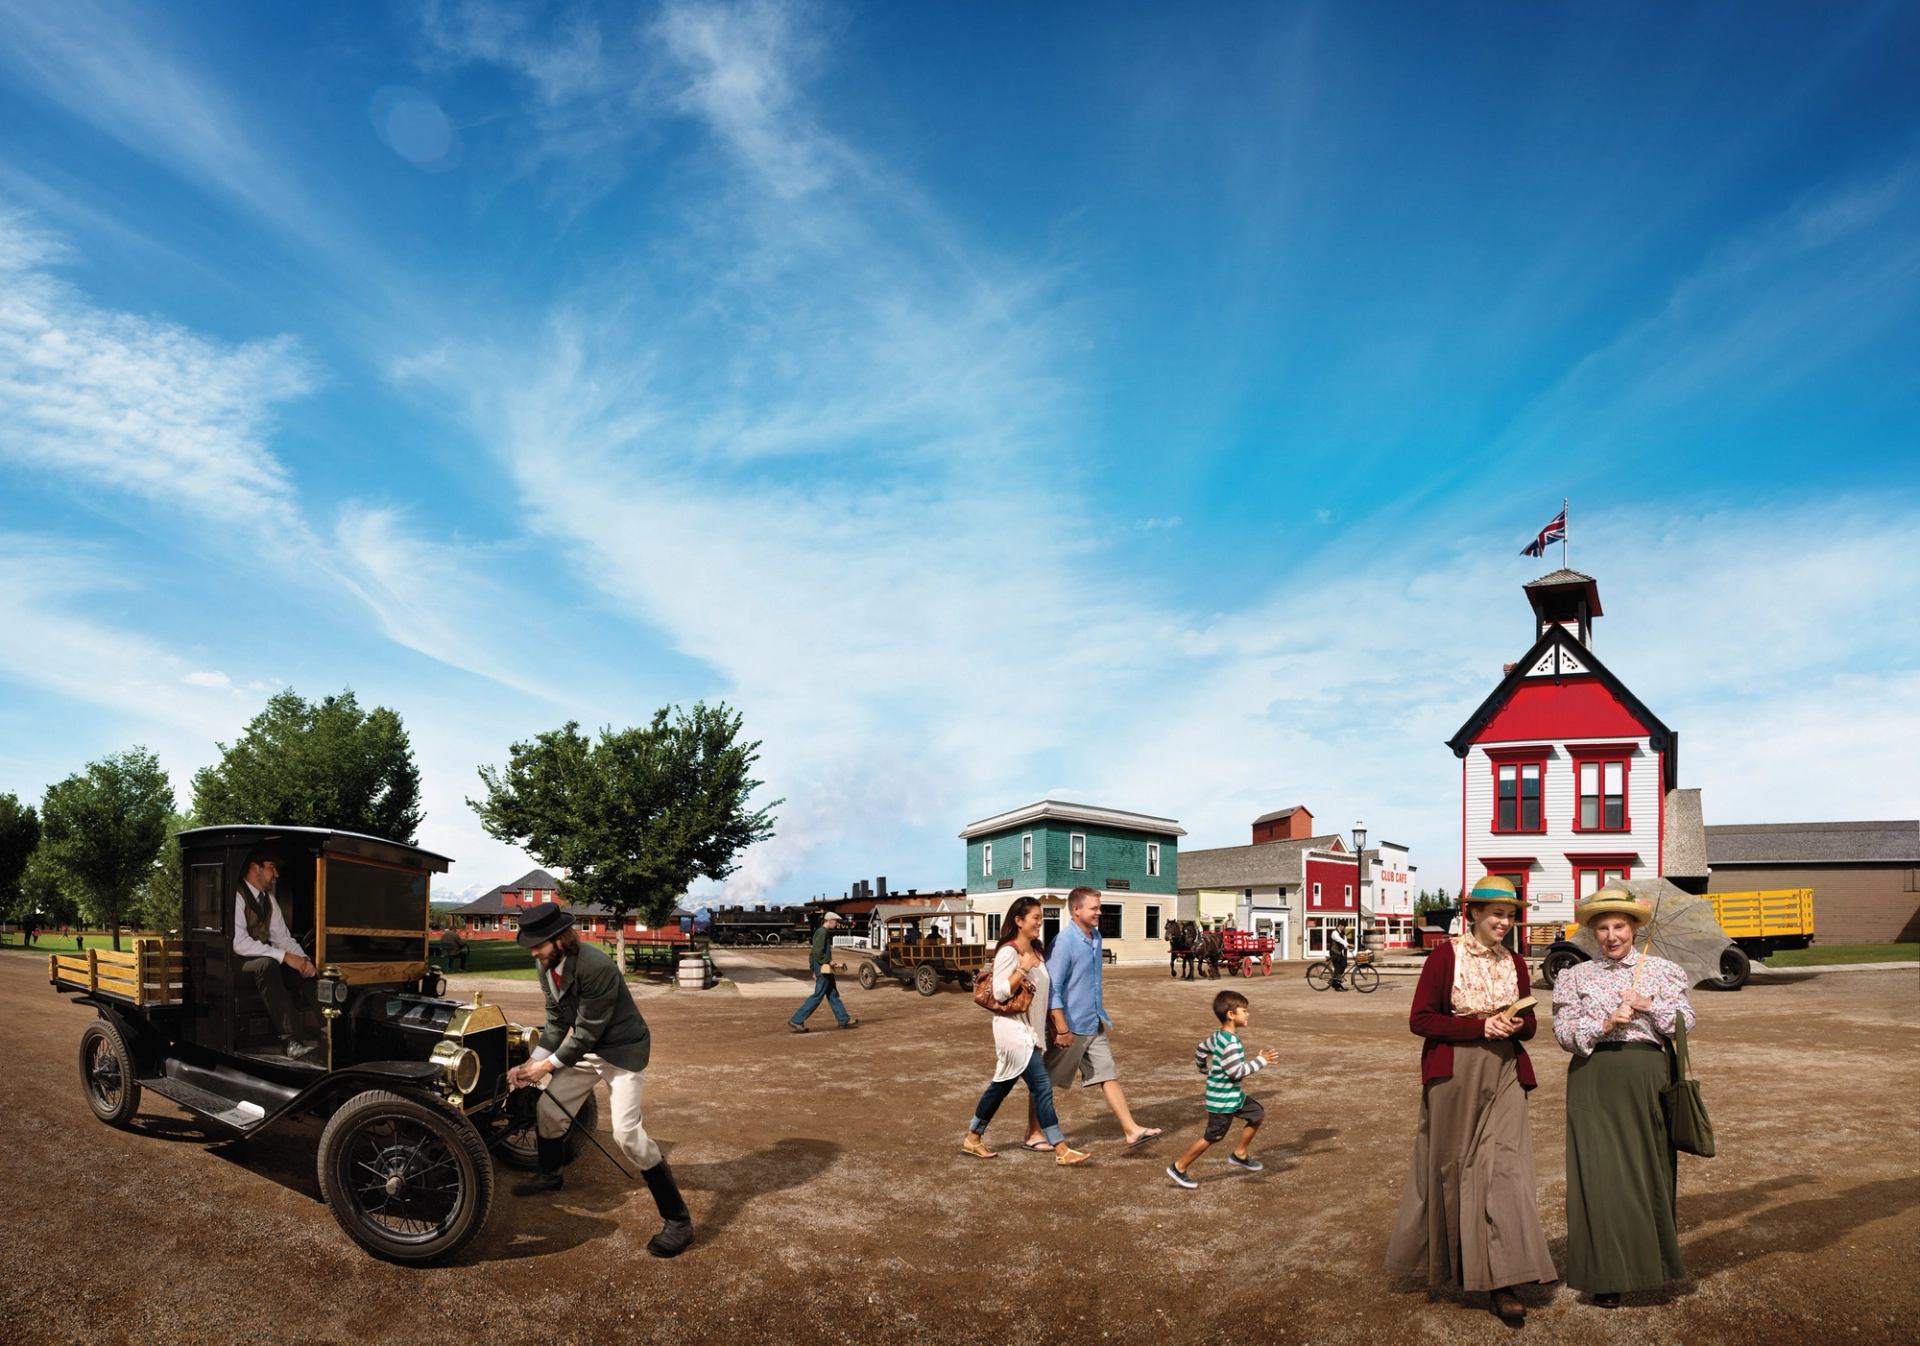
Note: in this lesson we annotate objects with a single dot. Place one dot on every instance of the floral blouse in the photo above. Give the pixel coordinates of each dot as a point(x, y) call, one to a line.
point(1589, 992)
point(1484, 980)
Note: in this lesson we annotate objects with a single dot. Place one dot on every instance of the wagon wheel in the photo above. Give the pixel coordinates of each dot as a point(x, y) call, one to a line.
point(926, 979)
point(106, 1073)
point(408, 1181)
point(1365, 979)
point(518, 1145)
point(867, 977)
point(1246, 967)
point(1319, 976)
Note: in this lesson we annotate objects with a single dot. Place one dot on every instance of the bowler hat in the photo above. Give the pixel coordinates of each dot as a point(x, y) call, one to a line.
point(543, 923)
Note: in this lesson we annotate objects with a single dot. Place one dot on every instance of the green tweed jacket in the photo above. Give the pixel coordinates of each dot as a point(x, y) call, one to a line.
point(593, 1011)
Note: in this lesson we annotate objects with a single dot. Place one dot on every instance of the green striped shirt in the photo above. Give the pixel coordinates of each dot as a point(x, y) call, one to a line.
point(1219, 1057)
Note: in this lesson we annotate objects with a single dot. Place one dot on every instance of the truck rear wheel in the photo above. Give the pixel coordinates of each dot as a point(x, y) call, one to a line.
point(106, 1073)
point(408, 1180)
point(1735, 968)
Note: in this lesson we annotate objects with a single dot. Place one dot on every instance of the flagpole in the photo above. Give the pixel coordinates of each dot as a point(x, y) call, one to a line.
point(1566, 527)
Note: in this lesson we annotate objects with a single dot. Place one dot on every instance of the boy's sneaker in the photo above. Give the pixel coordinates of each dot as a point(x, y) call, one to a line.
point(1180, 1179)
point(1250, 1164)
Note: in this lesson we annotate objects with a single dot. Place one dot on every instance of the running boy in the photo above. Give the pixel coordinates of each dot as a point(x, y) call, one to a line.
point(1220, 1058)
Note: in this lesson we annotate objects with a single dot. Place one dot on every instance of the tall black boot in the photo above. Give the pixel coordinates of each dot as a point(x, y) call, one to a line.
point(676, 1235)
point(553, 1155)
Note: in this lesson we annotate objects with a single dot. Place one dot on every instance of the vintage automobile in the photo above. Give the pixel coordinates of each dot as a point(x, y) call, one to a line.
point(922, 947)
point(411, 1085)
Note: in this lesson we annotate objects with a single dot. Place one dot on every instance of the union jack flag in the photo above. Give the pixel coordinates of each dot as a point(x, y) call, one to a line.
point(1553, 532)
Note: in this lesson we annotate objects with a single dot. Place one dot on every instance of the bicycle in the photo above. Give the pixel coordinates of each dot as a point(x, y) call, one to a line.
point(1361, 976)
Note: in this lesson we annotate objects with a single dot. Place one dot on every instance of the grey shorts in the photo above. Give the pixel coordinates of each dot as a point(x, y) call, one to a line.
point(1090, 1056)
point(1219, 1123)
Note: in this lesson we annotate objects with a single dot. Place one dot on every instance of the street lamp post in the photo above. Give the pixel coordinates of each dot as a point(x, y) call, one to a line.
point(1359, 883)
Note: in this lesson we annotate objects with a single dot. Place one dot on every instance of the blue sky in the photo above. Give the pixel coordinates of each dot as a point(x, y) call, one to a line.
point(991, 402)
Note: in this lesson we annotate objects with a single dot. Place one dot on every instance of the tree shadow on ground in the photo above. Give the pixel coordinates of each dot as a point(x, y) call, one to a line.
point(1703, 1208)
point(1800, 1226)
point(792, 1162)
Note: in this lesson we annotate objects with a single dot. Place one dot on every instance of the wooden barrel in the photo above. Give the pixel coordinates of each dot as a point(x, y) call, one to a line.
point(693, 971)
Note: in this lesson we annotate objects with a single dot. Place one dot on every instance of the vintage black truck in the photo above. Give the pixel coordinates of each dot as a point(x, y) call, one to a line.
point(412, 1085)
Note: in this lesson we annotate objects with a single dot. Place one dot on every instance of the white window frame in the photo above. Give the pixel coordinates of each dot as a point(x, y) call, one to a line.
point(986, 859)
point(1026, 852)
point(1153, 859)
point(1076, 851)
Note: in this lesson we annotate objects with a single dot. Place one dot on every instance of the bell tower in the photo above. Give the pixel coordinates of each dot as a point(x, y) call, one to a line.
point(1565, 598)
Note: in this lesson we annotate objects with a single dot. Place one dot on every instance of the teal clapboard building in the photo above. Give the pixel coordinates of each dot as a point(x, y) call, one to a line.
point(1049, 848)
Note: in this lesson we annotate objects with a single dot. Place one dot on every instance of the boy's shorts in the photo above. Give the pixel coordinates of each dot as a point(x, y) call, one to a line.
point(1249, 1112)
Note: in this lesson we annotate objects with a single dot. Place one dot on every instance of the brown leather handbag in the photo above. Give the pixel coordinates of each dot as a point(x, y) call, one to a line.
point(1021, 1002)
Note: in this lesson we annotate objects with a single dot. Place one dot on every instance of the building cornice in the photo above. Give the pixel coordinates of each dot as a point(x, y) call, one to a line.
point(1055, 810)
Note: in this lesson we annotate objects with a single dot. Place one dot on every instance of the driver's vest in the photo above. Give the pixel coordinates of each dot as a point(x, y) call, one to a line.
point(259, 911)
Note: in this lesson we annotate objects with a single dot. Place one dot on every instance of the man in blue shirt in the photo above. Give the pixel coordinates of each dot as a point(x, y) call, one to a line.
point(1080, 1022)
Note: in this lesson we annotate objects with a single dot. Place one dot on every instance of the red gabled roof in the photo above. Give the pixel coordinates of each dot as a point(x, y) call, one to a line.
point(1542, 711)
point(1594, 704)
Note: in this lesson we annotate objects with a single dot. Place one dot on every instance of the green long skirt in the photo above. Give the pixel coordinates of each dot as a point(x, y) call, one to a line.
point(1620, 1174)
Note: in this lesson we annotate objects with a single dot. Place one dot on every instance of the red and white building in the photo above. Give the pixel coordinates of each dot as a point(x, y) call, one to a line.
point(1565, 775)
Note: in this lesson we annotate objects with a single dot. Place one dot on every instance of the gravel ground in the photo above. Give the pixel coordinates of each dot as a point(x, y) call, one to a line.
point(833, 1204)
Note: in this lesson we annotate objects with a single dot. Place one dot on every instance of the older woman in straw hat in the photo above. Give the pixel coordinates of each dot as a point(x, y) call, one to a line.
point(1468, 1216)
point(1615, 1014)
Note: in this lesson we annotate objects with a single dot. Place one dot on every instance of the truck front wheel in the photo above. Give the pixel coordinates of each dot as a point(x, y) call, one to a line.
point(1735, 968)
point(1557, 962)
point(408, 1180)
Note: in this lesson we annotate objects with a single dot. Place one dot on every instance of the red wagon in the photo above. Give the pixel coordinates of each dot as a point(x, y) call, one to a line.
point(1242, 951)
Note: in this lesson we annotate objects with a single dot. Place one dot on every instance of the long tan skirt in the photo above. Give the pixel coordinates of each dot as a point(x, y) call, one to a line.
point(1467, 1216)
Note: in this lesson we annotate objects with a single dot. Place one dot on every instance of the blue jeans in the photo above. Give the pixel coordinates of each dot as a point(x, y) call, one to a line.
point(823, 989)
point(1039, 1088)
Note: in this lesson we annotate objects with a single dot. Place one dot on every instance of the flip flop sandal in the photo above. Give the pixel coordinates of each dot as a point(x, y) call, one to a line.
point(1151, 1133)
point(1040, 1146)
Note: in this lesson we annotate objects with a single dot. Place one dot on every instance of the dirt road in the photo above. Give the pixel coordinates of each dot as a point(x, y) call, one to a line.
point(834, 1206)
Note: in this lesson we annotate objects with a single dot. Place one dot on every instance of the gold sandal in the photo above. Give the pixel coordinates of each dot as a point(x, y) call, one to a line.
point(977, 1147)
point(1071, 1157)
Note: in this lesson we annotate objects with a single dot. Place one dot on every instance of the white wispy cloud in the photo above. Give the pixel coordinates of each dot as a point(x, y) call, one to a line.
point(837, 470)
point(116, 67)
point(135, 404)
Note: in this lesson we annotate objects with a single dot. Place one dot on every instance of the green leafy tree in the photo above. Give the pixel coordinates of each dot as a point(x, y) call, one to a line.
point(322, 764)
point(635, 816)
point(101, 830)
point(157, 905)
point(42, 893)
point(19, 836)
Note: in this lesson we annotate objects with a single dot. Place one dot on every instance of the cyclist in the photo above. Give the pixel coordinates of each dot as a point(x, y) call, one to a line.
point(1337, 951)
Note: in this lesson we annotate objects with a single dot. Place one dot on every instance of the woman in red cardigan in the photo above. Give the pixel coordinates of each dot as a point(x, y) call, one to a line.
point(1468, 1216)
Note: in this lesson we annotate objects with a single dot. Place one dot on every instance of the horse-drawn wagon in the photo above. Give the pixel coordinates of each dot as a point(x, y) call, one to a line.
point(1242, 952)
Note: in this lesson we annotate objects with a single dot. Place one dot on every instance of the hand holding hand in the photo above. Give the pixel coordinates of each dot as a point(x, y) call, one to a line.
point(1622, 1014)
point(303, 965)
point(1500, 1026)
point(1636, 1001)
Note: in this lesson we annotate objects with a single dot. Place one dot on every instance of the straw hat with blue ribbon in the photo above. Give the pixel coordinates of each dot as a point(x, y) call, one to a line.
point(1493, 888)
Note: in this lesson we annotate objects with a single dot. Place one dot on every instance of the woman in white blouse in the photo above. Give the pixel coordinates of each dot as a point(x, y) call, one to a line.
point(1019, 1040)
point(1615, 1014)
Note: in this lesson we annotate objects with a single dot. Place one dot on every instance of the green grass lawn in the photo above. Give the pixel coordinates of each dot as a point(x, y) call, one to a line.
point(494, 958)
point(58, 943)
point(1822, 955)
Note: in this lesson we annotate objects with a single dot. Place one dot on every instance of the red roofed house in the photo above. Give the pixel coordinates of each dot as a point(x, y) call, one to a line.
point(1565, 775)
